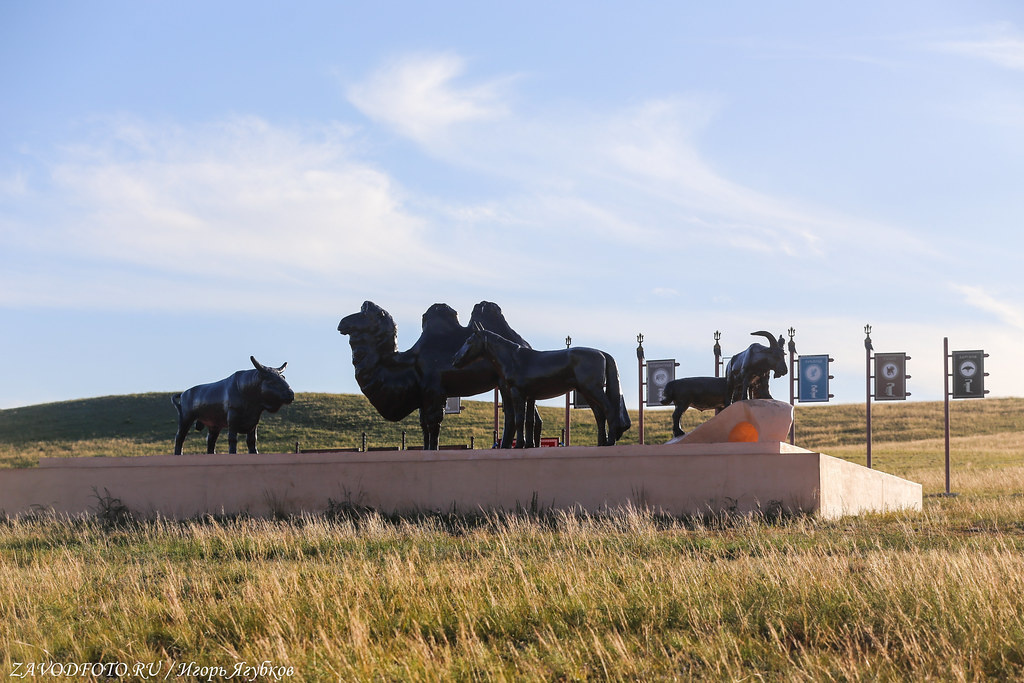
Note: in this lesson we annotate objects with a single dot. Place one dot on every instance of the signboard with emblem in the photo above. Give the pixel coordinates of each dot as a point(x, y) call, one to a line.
point(659, 373)
point(891, 377)
point(453, 405)
point(969, 374)
point(813, 379)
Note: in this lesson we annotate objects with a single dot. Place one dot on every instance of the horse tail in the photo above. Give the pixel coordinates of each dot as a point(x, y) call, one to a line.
point(618, 419)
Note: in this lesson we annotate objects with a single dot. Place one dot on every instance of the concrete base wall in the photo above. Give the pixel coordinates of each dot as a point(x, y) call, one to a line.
point(679, 479)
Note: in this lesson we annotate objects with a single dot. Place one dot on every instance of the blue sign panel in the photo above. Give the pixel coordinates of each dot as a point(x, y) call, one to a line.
point(813, 380)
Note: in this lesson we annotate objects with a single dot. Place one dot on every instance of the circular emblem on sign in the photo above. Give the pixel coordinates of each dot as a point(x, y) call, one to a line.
point(890, 370)
point(968, 368)
point(813, 373)
point(660, 376)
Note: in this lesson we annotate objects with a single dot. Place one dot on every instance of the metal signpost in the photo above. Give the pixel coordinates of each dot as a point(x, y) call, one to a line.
point(808, 379)
point(890, 379)
point(568, 397)
point(968, 382)
point(640, 376)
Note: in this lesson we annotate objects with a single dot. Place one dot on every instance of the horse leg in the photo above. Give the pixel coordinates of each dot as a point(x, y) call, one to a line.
point(519, 404)
point(250, 441)
point(530, 424)
point(537, 424)
point(211, 439)
point(509, 417)
point(599, 405)
point(232, 441)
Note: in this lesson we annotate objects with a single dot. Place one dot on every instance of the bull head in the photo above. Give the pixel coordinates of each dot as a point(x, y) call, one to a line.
point(274, 390)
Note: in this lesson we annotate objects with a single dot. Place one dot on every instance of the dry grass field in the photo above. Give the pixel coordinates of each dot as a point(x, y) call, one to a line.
point(628, 595)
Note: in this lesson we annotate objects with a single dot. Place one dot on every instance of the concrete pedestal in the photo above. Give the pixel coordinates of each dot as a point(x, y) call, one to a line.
point(679, 479)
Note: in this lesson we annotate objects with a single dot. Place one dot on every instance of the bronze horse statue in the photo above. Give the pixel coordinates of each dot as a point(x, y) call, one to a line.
point(422, 377)
point(528, 376)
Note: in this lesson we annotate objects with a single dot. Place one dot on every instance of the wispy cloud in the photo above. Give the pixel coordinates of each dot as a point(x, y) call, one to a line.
point(1002, 46)
point(980, 298)
point(419, 96)
point(233, 202)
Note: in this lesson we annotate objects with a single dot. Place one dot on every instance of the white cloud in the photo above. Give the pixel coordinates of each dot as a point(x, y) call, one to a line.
point(418, 96)
point(978, 297)
point(233, 204)
point(1003, 48)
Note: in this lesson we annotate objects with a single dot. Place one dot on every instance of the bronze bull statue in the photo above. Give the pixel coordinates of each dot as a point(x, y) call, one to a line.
point(236, 402)
point(747, 372)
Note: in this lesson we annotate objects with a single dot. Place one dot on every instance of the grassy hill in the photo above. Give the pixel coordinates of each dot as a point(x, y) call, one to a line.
point(144, 424)
point(629, 595)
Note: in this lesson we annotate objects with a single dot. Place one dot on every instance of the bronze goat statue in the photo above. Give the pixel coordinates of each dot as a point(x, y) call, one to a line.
point(747, 372)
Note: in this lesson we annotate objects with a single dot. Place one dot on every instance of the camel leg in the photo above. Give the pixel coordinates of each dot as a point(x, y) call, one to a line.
point(430, 422)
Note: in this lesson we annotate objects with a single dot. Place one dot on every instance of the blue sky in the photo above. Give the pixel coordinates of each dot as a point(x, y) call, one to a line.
point(185, 184)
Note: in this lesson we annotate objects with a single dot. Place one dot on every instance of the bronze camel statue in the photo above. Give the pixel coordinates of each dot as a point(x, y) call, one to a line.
point(422, 377)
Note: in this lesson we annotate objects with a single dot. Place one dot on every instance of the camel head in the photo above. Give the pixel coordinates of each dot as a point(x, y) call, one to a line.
point(371, 324)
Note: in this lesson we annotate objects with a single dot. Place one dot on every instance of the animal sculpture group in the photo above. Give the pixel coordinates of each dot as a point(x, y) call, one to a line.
point(450, 359)
point(746, 377)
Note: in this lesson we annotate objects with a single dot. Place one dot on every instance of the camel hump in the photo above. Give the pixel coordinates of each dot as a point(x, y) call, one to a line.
point(440, 318)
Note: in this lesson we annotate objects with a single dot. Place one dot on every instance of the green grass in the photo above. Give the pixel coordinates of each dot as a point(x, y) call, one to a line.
point(627, 595)
point(144, 424)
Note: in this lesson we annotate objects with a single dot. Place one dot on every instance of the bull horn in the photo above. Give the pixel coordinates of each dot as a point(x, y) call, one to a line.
point(256, 364)
point(281, 369)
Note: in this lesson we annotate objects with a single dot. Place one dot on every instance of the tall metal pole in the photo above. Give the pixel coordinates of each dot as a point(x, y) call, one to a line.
point(945, 378)
point(640, 370)
point(867, 349)
point(792, 384)
point(568, 396)
point(718, 353)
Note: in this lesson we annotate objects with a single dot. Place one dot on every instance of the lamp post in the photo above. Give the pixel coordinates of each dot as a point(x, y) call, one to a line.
point(568, 397)
point(792, 383)
point(718, 353)
point(640, 366)
point(868, 348)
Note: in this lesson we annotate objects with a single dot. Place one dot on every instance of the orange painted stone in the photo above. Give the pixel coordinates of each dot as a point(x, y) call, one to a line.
point(757, 420)
point(743, 431)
